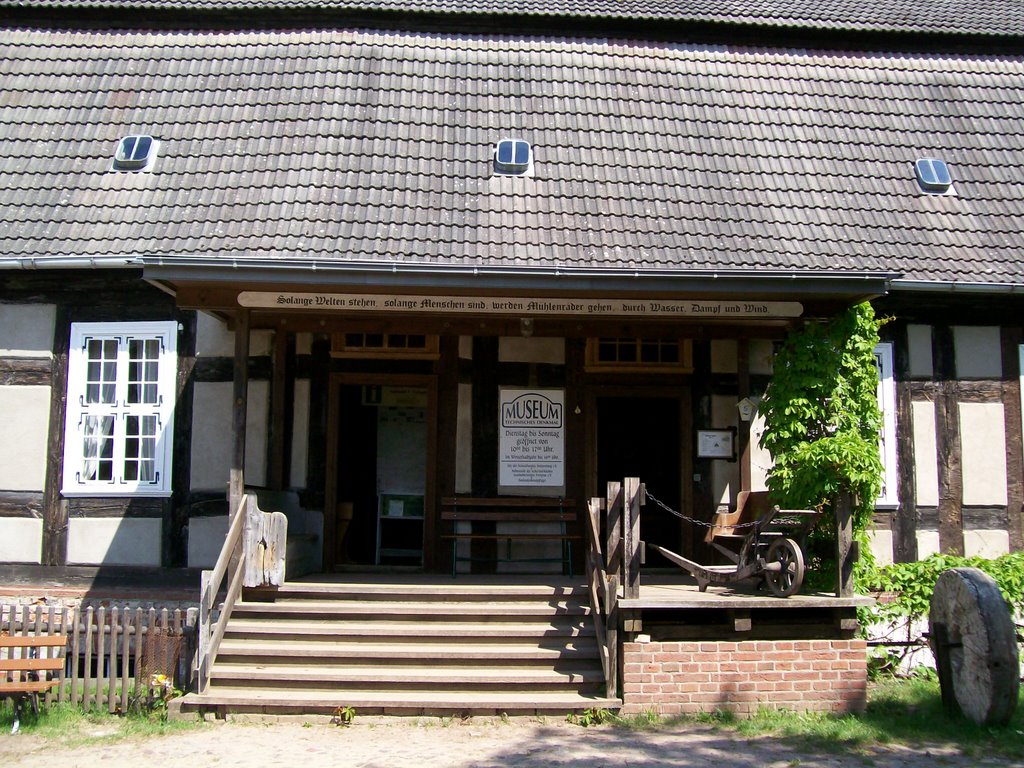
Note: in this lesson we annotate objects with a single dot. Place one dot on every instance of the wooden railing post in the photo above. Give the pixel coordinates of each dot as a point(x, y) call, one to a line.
point(631, 555)
point(613, 526)
point(845, 550)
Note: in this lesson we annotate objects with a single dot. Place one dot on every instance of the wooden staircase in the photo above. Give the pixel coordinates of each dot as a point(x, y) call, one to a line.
point(423, 646)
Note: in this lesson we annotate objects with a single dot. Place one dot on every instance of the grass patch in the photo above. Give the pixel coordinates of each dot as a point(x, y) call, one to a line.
point(68, 725)
point(904, 712)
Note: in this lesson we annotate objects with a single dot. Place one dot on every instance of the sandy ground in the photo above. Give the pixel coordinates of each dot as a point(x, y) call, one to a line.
point(528, 743)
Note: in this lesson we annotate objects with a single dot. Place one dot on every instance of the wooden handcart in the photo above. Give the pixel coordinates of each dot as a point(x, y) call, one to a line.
point(759, 540)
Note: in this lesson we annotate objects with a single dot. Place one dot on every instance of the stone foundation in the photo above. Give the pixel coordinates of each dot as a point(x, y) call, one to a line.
point(688, 677)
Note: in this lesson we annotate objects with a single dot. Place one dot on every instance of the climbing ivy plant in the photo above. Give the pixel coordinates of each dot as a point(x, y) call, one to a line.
point(821, 415)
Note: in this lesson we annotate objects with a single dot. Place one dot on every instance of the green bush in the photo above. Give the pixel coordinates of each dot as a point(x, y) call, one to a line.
point(908, 587)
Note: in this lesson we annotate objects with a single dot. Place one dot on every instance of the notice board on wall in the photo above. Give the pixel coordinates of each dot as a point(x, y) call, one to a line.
point(531, 452)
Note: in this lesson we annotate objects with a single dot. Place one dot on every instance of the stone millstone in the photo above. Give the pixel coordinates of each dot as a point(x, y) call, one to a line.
point(975, 644)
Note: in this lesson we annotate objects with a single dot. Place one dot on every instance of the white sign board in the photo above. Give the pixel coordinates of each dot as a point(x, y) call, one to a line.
point(518, 305)
point(532, 438)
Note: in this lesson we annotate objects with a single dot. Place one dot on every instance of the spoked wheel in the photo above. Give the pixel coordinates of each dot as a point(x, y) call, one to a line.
point(785, 572)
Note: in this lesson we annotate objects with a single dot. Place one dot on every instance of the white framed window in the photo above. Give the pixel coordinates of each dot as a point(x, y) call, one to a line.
point(887, 438)
point(118, 430)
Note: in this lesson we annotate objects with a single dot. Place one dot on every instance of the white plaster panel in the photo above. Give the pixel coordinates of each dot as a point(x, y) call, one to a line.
point(303, 343)
point(466, 347)
point(762, 356)
point(927, 544)
point(989, 544)
point(723, 356)
point(926, 467)
point(919, 347)
point(725, 475)
point(983, 453)
point(205, 539)
point(464, 441)
point(516, 349)
point(215, 339)
point(978, 352)
point(26, 411)
point(114, 541)
point(880, 542)
point(21, 540)
point(211, 435)
point(300, 434)
point(760, 460)
point(26, 330)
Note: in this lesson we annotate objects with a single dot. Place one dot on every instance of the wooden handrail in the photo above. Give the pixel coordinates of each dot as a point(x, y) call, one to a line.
point(210, 633)
point(603, 595)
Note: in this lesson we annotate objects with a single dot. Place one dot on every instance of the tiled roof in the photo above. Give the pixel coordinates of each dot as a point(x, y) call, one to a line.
point(355, 146)
point(953, 17)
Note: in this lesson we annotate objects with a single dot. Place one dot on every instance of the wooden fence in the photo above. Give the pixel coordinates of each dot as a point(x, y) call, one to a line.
point(111, 652)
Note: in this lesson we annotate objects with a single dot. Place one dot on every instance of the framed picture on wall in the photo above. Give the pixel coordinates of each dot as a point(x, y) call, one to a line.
point(716, 444)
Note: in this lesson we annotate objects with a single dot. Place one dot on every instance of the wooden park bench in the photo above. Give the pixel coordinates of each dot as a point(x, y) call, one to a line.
point(556, 516)
point(25, 661)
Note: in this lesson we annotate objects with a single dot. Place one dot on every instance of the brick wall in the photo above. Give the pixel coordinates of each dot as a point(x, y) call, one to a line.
point(689, 677)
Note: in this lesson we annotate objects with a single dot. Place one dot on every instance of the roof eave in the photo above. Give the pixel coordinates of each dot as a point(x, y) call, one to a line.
point(394, 275)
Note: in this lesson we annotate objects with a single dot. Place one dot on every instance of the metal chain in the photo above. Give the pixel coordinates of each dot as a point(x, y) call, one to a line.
point(689, 519)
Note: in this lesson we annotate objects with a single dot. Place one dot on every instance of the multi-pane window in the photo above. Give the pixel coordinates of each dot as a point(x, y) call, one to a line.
point(121, 383)
point(631, 353)
point(407, 345)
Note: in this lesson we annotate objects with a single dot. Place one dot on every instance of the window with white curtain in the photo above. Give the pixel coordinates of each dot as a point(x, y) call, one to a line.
point(887, 438)
point(118, 432)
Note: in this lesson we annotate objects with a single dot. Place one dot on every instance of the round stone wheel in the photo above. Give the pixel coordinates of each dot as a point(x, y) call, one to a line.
point(785, 579)
point(973, 638)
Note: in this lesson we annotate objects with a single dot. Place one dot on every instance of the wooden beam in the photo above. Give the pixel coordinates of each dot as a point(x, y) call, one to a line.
point(25, 371)
point(239, 403)
point(632, 496)
point(947, 439)
point(279, 421)
point(55, 511)
point(845, 549)
point(435, 557)
point(904, 524)
point(1012, 338)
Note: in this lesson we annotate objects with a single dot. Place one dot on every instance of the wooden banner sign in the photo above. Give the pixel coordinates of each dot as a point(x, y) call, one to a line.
point(517, 305)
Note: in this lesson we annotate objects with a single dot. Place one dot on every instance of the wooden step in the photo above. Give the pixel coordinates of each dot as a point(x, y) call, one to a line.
point(450, 590)
point(284, 701)
point(422, 611)
point(331, 651)
point(406, 677)
point(394, 630)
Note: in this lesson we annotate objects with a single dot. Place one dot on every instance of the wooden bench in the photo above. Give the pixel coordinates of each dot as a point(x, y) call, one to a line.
point(557, 514)
point(24, 664)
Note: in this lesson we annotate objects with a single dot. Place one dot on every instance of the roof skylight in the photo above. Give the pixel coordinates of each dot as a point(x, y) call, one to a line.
point(933, 175)
point(135, 153)
point(513, 157)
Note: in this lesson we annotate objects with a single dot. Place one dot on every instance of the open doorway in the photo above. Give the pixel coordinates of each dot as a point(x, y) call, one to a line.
point(642, 436)
point(380, 472)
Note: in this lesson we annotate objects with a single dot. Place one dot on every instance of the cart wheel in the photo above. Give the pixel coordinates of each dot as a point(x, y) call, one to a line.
point(787, 579)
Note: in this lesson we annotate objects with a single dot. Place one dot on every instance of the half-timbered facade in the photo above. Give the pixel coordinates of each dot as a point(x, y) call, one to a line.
point(368, 261)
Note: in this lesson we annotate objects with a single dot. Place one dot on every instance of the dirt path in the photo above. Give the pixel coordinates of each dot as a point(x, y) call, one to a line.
point(453, 744)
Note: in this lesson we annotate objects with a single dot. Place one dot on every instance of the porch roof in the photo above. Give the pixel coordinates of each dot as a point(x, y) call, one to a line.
point(369, 154)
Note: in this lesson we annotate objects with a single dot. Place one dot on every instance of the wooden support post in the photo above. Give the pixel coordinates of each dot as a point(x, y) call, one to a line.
point(239, 405)
point(611, 609)
point(613, 526)
point(845, 551)
point(631, 555)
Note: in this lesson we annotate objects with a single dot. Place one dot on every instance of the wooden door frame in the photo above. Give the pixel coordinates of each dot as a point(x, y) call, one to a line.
point(334, 432)
point(682, 393)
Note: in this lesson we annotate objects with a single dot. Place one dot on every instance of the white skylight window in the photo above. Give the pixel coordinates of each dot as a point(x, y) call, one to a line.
point(933, 176)
point(135, 153)
point(513, 157)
